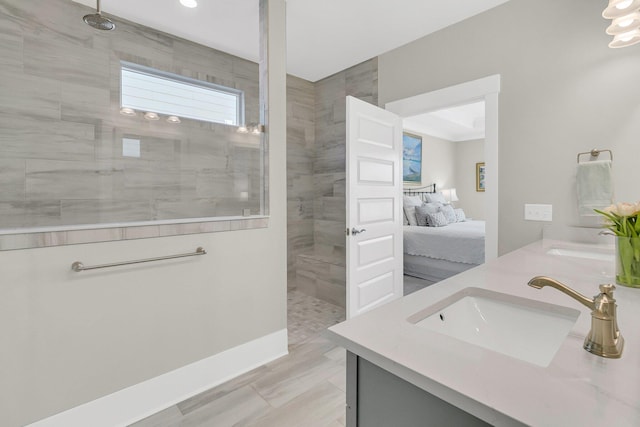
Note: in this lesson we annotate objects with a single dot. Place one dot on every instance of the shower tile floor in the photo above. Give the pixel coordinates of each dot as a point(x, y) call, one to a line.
point(305, 388)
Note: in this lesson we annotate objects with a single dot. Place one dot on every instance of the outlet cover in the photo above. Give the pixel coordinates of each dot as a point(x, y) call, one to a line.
point(534, 212)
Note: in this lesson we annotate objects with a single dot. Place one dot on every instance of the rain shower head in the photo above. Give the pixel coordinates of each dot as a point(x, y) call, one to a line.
point(97, 21)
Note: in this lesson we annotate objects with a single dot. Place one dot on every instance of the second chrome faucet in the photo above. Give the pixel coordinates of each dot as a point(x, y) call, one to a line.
point(604, 338)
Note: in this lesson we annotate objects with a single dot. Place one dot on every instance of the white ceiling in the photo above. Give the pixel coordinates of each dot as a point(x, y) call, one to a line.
point(461, 123)
point(323, 36)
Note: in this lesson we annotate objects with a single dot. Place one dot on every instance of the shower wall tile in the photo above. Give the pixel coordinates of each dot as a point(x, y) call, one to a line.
point(29, 96)
point(135, 42)
point(104, 211)
point(181, 207)
point(25, 138)
point(212, 182)
point(12, 180)
point(81, 102)
point(158, 183)
point(360, 81)
point(300, 155)
point(15, 214)
point(61, 143)
point(55, 58)
point(47, 179)
point(11, 45)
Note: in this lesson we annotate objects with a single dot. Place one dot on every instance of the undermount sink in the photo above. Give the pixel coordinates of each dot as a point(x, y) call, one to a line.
point(586, 254)
point(525, 329)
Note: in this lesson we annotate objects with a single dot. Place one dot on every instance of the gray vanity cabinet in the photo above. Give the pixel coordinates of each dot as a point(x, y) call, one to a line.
point(378, 398)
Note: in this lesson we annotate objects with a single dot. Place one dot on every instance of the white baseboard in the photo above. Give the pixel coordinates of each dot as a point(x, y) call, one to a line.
point(146, 398)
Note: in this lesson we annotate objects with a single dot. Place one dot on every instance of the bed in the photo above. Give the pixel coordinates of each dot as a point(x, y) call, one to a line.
point(436, 253)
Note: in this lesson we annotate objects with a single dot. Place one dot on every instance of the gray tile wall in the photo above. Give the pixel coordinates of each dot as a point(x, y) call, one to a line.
point(300, 159)
point(316, 163)
point(360, 81)
point(61, 132)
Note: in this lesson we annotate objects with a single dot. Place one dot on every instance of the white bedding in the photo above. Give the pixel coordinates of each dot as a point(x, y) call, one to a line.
point(458, 242)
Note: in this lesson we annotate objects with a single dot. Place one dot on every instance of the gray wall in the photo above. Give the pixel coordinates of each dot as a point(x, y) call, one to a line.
point(563, 92)
point(61, 157)
point(69, 338)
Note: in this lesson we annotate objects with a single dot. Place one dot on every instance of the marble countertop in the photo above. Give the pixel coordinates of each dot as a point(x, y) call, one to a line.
point(577, 388)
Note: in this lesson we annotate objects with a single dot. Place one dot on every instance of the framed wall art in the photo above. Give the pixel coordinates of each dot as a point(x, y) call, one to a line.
point(411, 158)
point(480, 168)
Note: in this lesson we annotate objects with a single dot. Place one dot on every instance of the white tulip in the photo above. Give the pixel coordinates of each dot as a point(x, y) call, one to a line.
point(627, 209)
point(611, 209)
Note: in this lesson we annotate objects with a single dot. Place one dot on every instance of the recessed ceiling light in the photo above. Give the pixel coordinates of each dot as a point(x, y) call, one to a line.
point(149, 115)
point(173, 119)
point(189, 3)
point(126, 111)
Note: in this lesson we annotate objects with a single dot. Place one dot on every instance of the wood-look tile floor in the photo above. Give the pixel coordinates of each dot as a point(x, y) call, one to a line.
point(306, 388)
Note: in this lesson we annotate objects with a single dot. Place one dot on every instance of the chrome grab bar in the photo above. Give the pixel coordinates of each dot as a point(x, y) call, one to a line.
point(78, 266)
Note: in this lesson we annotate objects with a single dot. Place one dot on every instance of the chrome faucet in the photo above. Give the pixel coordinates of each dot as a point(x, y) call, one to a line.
point(604, 338)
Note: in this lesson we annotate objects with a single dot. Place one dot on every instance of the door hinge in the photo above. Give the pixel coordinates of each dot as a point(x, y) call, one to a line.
point(348, 232)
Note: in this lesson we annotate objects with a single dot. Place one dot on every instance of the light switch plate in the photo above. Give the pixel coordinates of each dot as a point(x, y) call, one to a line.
point(533, 212)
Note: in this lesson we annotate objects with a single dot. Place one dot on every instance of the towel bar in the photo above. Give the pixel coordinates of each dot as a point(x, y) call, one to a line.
point(78, 266)
point(595, 153)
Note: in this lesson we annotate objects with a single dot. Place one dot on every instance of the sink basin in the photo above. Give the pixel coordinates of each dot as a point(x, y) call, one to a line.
point(525, 329)
point(586, 254)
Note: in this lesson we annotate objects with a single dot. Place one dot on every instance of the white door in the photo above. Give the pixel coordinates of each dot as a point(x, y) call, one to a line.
point(374, 206)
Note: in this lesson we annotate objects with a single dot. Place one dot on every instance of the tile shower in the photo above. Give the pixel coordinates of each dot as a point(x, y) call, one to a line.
point(61, 146)
point(316, 174)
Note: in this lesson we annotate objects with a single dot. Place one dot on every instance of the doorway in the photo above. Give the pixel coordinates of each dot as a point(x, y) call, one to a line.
point(487, 90)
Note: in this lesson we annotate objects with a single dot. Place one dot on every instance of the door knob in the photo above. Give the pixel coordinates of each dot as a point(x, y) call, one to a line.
point(355, 231)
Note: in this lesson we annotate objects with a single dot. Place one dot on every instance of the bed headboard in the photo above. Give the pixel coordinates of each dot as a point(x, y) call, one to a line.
point(419, 191)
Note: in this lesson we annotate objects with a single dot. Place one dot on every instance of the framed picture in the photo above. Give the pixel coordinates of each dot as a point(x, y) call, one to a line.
point(411, 158)
point(480, 176)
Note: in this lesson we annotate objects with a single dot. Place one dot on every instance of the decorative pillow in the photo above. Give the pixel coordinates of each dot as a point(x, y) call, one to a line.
point(410, 203)
point(460, 216)
point(435, 198)
point(422, 211)
point(437, 219)
point(449, 214)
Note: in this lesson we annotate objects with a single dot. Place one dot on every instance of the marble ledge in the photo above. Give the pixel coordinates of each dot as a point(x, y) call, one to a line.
point(46, 239)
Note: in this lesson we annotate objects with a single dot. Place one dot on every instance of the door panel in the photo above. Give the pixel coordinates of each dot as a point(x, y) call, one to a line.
point(374, 203)
point(375, 210)
point(375, 250)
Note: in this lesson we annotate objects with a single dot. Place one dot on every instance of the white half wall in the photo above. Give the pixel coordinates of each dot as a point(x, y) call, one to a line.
point(69, 338)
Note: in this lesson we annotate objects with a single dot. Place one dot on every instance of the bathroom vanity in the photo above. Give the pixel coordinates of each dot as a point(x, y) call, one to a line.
point(415, 362)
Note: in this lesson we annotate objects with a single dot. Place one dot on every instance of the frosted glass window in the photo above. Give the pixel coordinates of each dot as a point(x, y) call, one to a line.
point(147, 89)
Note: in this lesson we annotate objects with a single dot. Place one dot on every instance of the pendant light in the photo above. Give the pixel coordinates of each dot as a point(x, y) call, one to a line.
point(625, 25)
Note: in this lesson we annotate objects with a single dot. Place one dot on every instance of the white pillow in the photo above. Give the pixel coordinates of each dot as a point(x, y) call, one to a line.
point(437, 219)
point(422, 211)
point(449, 213)
point(435, 198)
point(410, 203)
point(460, 216)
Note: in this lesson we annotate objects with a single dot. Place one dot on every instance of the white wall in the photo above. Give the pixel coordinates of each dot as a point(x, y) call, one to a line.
point(438, 161)
point(467, 154)
point(68, 338)
point(563, 91)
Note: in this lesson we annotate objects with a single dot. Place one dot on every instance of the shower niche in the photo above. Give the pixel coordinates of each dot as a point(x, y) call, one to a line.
point(133, 127)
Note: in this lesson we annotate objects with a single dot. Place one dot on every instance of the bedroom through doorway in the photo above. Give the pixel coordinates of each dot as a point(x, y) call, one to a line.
point(450, 174)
